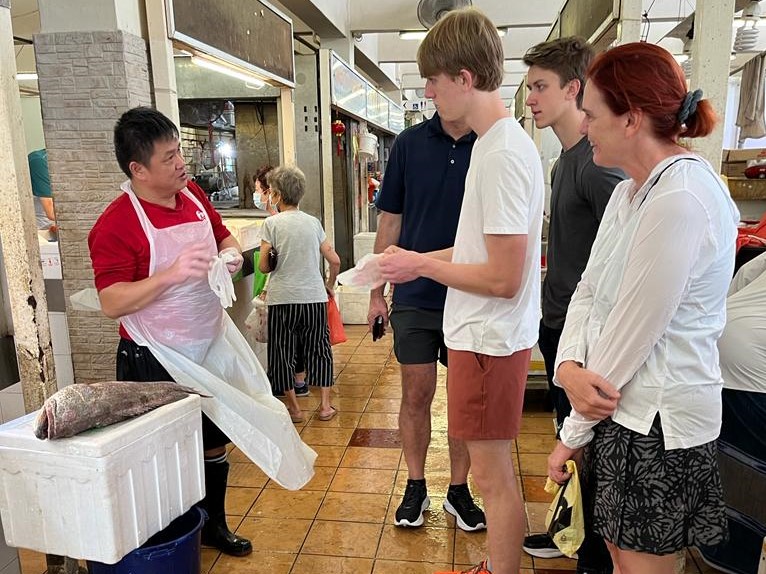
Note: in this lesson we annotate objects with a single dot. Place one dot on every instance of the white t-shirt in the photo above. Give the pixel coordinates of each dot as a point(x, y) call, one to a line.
point(296, 237)
point(650, 305)
point(742, 345)
point(504, 193)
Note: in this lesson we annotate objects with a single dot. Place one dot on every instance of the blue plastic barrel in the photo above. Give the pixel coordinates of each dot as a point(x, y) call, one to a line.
point(174, 550)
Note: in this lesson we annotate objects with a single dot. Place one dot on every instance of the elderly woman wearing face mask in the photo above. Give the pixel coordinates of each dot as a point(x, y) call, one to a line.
point(298, 293)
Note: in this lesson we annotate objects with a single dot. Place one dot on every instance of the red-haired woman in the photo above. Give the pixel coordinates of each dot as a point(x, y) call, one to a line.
point(638, 356)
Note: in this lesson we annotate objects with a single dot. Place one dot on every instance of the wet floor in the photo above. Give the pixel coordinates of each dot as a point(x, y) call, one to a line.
point(342, 521)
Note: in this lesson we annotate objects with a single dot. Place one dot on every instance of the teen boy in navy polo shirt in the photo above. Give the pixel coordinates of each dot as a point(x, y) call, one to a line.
point(420, 203)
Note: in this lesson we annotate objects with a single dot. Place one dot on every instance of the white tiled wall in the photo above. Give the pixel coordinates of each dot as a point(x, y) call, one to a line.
point(62, 353)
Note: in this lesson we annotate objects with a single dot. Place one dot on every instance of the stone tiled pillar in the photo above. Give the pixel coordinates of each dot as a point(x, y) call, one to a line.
point(711, 67)
point(22, 273)
point(87, 80)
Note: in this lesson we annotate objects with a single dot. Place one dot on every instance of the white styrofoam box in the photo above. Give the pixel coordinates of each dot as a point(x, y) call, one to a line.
point(251, 234)
point(103, 493)
point(364, 243)
point(50, 259)
point(247, 231)
point(353, 302)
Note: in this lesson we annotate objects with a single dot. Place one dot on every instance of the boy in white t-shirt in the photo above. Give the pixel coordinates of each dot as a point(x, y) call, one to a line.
point(492, 310)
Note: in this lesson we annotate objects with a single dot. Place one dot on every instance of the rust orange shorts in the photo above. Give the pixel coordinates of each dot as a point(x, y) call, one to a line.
point(485, 394)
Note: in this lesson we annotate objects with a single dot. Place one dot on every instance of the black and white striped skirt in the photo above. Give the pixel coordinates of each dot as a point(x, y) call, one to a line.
point(294, 326)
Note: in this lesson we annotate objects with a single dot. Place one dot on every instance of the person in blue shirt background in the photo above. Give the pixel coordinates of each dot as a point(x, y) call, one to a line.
point(41, 190)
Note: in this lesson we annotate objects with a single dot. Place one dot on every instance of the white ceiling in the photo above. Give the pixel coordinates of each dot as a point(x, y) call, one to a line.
point(528, 23)
point(379, 21)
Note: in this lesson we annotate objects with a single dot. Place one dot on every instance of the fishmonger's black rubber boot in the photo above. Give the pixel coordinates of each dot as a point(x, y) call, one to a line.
point(216, 533)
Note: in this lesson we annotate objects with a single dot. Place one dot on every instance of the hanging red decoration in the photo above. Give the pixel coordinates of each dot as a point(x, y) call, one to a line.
point(338, 129)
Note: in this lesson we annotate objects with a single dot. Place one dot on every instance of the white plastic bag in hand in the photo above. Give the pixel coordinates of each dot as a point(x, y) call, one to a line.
point(220, 281)
point(85, 300)
point(365, 274)
point(233, 259)
point(257, 322)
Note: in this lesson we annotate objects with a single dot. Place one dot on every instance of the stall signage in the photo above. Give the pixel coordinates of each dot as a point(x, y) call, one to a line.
point(356, 96)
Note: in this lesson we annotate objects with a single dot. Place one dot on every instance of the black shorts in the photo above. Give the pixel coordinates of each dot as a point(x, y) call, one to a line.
point(418, 335)
point(136, 363)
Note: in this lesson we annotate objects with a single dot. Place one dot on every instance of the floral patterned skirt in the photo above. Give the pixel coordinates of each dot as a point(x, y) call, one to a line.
point(648, 499)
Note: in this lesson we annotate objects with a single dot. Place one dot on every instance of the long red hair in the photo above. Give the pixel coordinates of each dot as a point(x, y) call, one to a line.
point(647, 77)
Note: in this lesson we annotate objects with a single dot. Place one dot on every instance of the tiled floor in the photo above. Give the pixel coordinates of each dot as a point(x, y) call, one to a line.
point(342, 521)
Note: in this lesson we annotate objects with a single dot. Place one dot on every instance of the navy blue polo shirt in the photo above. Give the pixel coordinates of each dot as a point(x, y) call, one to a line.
point(424, 182)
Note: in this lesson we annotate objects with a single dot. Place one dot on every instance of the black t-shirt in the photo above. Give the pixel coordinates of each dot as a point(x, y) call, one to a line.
point(424, 182)
point(580, 191)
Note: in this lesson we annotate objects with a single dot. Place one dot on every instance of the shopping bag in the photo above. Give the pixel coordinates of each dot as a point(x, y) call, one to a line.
point(565, 521)
point(259, 278)
point(334, 321)
point(257, 322)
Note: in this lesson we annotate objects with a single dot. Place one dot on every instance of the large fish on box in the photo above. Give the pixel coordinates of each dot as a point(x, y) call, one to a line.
point(80, 407)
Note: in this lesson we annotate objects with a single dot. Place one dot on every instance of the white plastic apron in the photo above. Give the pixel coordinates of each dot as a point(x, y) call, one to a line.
point(198, 344)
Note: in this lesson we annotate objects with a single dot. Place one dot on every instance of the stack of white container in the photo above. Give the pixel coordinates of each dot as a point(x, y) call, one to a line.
point(103, 493)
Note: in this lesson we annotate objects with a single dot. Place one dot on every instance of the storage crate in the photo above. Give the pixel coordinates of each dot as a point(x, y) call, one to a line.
point(364, 243)
point(103, 493)
point(353, 302)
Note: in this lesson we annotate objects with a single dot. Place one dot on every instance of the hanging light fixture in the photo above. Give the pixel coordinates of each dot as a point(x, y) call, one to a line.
point(227, 70)
point(746, 37)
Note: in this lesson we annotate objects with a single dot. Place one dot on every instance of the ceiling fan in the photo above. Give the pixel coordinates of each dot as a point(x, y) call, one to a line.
point(429, 11)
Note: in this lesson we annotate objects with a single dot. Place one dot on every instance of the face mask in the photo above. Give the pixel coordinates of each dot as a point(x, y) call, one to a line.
point(257, 201)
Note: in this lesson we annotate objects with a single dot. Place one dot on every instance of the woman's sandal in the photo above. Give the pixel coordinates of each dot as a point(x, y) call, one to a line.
point(328, 416)
point(297, 418)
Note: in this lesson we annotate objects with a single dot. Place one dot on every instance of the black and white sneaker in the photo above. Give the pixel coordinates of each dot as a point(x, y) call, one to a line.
point(541, 546)
point(414, 502)
point(459, 503)
point(302, 390)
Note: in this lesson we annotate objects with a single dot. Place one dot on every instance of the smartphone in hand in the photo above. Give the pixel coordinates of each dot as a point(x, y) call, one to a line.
point(378, 330)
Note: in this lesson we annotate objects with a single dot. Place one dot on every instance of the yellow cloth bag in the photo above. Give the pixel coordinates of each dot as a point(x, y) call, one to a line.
point(565, 521)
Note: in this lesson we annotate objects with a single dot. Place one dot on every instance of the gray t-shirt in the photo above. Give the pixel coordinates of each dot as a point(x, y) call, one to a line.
point(580, 191)
point(296, 237)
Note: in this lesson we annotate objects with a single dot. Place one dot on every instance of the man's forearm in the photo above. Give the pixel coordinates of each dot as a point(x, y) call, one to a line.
point(230, 241)
point(47, 204)
point(124, 298)
point(441, 255)
point(479, 278)
point(389, 230)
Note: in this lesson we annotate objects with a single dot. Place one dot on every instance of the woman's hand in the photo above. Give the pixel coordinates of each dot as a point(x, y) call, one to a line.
point(557, 469)
point(590, 394)
point(330, 292)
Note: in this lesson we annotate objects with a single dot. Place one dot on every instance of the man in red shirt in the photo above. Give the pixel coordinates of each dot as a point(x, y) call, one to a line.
point(151, 250)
